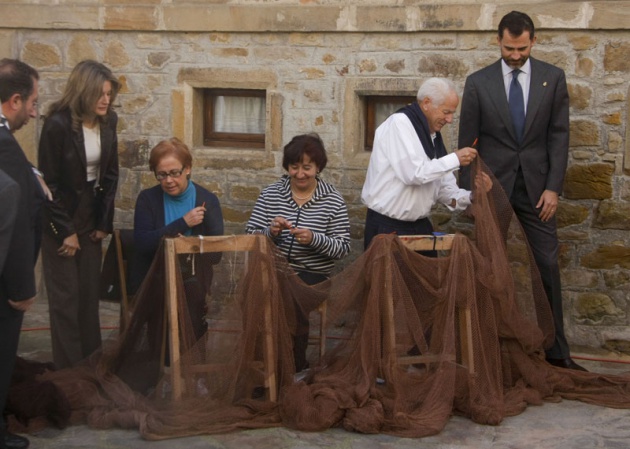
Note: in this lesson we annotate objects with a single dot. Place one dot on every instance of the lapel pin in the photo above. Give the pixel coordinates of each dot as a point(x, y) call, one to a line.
point(545, 84)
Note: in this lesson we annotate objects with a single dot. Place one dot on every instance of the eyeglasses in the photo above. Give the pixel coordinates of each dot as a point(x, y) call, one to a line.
point(162, 175)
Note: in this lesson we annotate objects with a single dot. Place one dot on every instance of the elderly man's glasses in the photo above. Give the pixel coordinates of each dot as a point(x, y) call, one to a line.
point(162, 175)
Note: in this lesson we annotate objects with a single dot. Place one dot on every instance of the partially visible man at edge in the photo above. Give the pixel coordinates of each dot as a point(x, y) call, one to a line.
point(526, 147)
point(18, 94)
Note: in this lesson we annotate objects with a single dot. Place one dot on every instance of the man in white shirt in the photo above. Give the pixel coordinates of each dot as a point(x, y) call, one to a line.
point(409, 170)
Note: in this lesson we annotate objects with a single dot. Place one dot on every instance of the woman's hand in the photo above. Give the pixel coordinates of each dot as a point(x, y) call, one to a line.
point(97, 235)
point(302, 235)
point(70, 246)
point(195, 216)
point(278, 224)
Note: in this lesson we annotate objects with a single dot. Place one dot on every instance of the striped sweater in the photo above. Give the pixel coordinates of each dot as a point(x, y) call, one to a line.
point(325, 214)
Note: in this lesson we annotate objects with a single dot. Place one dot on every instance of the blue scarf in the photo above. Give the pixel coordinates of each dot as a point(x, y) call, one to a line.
point(420, 124)
point(175, 207)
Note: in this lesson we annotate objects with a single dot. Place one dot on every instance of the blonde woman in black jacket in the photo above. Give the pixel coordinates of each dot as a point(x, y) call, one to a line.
point(78, 156)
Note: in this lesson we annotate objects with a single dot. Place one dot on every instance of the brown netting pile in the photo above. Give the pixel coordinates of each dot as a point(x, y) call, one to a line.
point(476, 319)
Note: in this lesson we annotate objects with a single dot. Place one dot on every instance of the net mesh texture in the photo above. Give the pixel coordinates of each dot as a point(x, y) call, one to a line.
point(410, 340)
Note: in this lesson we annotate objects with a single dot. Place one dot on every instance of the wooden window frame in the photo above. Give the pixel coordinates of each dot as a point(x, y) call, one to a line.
point(215, 139)
point(371, 102)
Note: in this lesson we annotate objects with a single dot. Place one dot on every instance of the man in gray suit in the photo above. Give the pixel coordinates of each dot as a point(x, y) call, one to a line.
point(517, 109)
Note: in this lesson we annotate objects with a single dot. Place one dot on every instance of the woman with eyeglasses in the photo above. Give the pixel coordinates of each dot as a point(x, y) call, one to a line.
point(176, 206)
point(78, 155)
point(307, 219)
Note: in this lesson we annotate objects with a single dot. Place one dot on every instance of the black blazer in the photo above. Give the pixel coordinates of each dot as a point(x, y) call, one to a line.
point(62, 161)
point(17, 279)
point(544, 150)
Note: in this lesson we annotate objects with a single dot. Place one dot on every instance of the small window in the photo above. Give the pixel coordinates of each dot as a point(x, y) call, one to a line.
point(378, 108)
point(234, 118)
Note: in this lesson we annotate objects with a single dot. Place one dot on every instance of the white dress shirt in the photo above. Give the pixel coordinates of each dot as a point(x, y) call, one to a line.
point(92, 139)
point(4, 122)
point(401, 181)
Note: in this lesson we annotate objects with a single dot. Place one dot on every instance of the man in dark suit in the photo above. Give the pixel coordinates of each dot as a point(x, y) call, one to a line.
point(517, 109)
point(18, 94)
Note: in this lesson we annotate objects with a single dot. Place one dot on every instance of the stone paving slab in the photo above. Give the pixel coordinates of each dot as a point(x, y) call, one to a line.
point(568, 424)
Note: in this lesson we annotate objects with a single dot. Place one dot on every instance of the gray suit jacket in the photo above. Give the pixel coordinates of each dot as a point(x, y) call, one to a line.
point(9, 200)
point(543, 152)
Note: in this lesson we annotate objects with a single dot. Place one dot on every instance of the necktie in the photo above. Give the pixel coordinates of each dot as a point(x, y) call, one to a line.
point(517, 106)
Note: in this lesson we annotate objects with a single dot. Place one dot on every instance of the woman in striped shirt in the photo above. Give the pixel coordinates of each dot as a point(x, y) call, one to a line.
point(307, 219)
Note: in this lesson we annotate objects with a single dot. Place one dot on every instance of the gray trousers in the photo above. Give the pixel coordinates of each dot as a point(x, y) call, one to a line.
point(72, 286)
point(543, 240)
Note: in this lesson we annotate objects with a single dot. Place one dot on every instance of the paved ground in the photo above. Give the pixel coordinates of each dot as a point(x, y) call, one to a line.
point(568, 424)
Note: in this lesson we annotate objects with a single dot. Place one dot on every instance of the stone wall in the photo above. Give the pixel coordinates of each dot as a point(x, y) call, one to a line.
point(316, 58)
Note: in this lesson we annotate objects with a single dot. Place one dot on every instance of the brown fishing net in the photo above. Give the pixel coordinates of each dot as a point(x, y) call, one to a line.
point(410, 340)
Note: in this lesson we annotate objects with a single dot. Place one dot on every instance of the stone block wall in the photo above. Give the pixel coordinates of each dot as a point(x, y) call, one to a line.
point(315, 59)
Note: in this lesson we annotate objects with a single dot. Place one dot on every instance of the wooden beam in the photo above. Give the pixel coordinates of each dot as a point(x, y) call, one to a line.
point(428, 242)
point(199, 244)
point(173, 322)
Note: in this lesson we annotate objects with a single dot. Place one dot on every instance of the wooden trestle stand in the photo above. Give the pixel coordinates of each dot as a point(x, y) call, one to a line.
point(428, 243)
point(192, 245)
point(197, 245)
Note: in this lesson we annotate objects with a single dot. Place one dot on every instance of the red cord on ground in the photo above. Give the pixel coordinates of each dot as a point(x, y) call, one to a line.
point(30, 329)
point(595, 359)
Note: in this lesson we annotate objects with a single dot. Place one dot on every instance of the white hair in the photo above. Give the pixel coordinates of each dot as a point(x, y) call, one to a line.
point(436, 89)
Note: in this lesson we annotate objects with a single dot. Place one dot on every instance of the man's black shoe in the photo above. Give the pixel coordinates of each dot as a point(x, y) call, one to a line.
point(567, 363)
point(10, 440)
